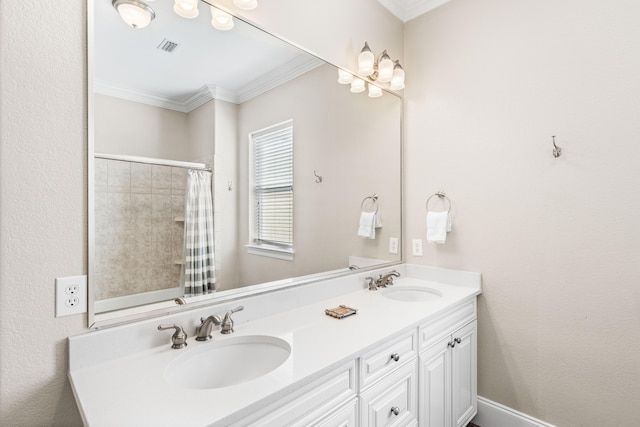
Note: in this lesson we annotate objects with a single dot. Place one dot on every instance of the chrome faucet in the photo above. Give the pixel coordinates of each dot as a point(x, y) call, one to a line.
point(227, 322)
point(387, 279)
point(381, 281)
point(179, 338)
point(203, 331)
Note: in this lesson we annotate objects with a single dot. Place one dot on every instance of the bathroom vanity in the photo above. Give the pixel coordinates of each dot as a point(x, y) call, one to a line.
point(408, 357)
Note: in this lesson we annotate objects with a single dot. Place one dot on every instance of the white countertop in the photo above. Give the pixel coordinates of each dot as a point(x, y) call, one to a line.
point(131, 390)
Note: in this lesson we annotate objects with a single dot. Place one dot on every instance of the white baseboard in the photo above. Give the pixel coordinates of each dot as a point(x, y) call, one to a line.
point(493, 414)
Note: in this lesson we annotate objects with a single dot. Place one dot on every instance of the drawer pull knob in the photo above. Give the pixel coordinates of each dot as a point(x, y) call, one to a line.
point(395, 410)
point(454, 342)
point(395, 357)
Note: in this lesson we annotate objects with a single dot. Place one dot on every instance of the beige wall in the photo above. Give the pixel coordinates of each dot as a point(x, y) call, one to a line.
point(43, 170)
point(226, 195)
point(557, 240)
point(135, 129)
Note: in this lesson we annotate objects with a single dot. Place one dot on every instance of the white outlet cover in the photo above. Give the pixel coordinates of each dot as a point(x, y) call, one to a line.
point(71, 295)
point(393, 245)
point(416, 244)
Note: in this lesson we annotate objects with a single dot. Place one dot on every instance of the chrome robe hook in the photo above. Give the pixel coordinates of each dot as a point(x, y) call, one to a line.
point(556, 150)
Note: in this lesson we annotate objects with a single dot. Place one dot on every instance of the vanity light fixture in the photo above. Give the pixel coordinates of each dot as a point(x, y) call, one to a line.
point(246, 4)
point(135, 13)
point(186, 8)
point(381, 69)
point(221, 20)
point(397, 80)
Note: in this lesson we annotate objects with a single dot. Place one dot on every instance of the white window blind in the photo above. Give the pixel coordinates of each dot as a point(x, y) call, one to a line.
point(273, 185)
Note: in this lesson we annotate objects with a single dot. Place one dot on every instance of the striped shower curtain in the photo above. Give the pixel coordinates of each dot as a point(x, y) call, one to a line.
point(198, 269)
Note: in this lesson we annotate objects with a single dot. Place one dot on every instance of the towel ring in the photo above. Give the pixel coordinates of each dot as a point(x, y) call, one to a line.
point(440, 195)
point(374, 199)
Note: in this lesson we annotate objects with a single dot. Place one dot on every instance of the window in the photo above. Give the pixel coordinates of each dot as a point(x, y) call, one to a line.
point(272, 171)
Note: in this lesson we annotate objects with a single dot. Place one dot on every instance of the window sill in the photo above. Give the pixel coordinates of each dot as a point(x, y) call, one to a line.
point(271, 251)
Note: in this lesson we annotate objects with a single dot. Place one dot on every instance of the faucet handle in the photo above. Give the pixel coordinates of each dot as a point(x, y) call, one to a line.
point(371, 283)
point(227, 322)
point(179, 338)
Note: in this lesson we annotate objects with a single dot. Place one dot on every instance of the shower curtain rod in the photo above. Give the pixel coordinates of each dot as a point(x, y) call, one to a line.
point(152, 161)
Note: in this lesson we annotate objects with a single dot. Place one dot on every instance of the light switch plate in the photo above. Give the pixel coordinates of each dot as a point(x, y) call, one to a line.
point(71, 295)
point(416, 244)
point(393, 245)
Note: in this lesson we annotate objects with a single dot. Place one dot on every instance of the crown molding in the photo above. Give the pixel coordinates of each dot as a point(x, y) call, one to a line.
point(406, 10)
point(280, 75)
point(206, 93)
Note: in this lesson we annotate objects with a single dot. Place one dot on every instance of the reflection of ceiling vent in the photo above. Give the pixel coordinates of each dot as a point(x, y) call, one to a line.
point(167, 45)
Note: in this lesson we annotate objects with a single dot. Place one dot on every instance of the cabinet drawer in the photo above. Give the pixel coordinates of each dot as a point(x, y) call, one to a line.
point(386, 358)
point(432, 331)
point(393, 401)
point(311, 402)
point(343, 417)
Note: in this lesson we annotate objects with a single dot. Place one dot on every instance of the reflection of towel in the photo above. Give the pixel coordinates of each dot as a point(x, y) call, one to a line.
point(438, 225)
point(369, 221)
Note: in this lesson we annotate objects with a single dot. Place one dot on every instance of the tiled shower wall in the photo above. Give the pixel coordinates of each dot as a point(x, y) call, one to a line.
point(139, 211)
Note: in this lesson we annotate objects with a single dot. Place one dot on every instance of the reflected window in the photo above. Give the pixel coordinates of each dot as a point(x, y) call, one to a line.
point(272, 185)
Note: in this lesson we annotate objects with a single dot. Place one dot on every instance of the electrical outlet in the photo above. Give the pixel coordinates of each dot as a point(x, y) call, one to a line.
point(416, 244)
point(71, 295)
point(393, 245)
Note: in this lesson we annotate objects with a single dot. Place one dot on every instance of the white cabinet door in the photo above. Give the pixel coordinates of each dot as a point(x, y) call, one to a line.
point(464, 374)
point(435, 385)
point(392, 401)
point(448, 375)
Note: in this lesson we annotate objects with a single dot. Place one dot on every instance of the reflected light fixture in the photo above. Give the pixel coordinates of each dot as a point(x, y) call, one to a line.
point(381, 69)
point(221, 20)
point(374, 91)
point(186, 8)
point(246, 4)
point(344, 77)
point(357, 85)
point(135, 13)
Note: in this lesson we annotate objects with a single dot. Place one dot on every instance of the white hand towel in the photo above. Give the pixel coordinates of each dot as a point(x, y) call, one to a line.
point(367, 225)
point(438, 225)
point(378, 221)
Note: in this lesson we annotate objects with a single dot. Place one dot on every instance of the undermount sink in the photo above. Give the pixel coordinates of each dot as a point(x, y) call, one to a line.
point(227, 362)
point(412, 293)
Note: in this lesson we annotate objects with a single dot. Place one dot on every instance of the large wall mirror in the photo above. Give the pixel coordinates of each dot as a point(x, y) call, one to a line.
point(180, 98)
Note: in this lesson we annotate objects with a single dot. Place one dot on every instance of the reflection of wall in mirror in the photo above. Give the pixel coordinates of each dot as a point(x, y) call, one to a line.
point(353, 142)
point(138, 242)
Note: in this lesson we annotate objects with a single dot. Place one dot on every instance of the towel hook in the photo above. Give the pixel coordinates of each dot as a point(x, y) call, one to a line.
point(374, 199)
point(441, 195)
point(318, 177)
point(557, 151)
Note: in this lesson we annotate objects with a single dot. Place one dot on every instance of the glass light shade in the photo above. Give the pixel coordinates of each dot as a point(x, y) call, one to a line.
point(135, 13)
point(221, 20)
point(186, 8)
point(344, 77)
point(246, 4)
point(374, 91)
point(357, 85)
point(365, 61)
point(397, 81)
point(385, 69)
